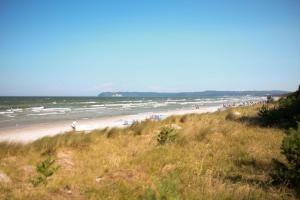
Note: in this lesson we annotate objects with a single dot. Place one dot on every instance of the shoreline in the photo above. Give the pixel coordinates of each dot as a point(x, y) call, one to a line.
point(33, 132)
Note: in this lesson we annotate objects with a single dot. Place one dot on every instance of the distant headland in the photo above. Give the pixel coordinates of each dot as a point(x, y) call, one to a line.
point(207, 93)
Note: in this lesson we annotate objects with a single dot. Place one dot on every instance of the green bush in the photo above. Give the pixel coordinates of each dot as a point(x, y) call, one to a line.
point(269, 116)
point(45, 169)
point(284, 113)
point(166, 134)
point(290, 147)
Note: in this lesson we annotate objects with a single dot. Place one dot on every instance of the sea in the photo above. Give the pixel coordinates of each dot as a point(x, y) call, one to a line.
point(20, 111)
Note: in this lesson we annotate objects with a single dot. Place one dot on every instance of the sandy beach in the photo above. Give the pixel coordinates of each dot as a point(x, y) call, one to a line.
point(35, 131)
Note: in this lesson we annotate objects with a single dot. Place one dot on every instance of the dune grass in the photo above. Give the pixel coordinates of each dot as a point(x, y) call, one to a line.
point(210, 158)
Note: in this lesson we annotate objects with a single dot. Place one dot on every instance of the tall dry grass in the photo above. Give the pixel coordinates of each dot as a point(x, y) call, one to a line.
point(211, 158)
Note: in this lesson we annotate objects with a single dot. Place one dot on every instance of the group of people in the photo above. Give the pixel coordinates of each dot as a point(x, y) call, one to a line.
point(197, 107)
point(246, 103)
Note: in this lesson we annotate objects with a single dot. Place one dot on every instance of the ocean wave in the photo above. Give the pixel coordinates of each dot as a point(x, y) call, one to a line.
point(6, 112)
point(124, 105)
point(86, 109)
point(43, 109)
point(87, 102)
point(15, 110)
point(11, 111)
point(100, 105)
point(114, 104)
point(175, 100)
point(172, 102)
point(57, 109)
point(133, 101)
point(44, 114)
point(37, 109)
point(156, 105)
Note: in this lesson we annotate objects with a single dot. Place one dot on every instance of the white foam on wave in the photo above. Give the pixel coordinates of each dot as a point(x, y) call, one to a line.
point(6, 112)
point(43, 109)
point(125, 105)
point(37, 109)
point(175, 100)
point(56, 109)
point(86, 109)
point(156, 105)
point(133, 101)
point(187, 103)
point(14, 110)
point(44, 114)
point(99, 105)
point(87, 102)
point(114, 105)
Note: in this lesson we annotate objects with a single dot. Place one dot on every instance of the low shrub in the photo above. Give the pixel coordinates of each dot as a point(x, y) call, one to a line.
point(166, 134)
point(45, 169)
point(268, 115)
point(290, 148)
point(284, 113)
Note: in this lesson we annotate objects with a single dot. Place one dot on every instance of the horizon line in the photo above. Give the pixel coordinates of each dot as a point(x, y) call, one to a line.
point(287, 91)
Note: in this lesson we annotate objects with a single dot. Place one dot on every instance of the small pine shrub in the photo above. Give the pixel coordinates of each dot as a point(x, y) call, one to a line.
point(45, 169)
point(166, 134)
point(267, 115)
point(289, 173)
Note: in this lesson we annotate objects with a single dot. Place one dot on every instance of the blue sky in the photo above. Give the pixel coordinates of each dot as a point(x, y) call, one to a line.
point(69, 47)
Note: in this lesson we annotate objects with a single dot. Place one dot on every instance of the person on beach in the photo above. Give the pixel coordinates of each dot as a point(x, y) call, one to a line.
point(73, 125)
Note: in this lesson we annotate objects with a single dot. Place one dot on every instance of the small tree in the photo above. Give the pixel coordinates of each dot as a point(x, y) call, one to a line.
point(45, 170)
point(166, 134)
point(290, 147)
point(285, 113)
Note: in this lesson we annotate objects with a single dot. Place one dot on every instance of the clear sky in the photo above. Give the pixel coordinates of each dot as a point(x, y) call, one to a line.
point(69, 47)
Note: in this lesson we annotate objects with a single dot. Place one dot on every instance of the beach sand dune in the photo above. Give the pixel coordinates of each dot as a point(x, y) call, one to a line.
point(35, 131)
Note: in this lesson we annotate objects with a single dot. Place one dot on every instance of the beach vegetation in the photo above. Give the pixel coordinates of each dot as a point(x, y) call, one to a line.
point(45, 169)
point(167, 134)
point(285, 113)
point(289, 172)
point(48, 145)
point(165, 189)
point(204, 156)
